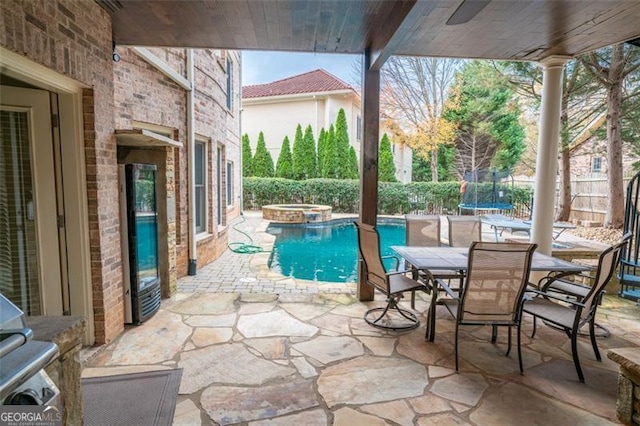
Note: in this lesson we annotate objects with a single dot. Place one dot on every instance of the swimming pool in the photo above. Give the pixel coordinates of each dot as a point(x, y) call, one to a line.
point(326, 252)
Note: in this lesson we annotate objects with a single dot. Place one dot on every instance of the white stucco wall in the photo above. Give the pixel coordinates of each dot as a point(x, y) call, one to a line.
point(402, 159)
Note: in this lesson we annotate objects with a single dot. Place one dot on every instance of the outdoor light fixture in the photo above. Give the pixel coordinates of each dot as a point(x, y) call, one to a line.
point(466, 11)
point(116, 57)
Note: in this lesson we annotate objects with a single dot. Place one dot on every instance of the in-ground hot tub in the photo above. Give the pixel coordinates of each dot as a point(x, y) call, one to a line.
point(296, 213)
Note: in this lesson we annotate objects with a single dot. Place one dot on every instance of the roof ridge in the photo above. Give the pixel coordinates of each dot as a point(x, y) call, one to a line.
point(317, 80)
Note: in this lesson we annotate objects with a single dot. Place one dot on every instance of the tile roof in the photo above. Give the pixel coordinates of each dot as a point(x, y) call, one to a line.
point(311, 82)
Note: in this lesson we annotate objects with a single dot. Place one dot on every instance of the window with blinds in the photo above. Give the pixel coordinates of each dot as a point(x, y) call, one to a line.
point(19, 280)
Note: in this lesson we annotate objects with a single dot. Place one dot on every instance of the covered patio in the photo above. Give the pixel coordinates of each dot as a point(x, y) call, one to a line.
point(274, 357)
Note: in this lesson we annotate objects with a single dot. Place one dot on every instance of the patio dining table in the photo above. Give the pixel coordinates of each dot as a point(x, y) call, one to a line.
point(456, 259)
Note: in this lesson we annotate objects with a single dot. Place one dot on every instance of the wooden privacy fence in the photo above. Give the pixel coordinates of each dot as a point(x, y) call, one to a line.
point(589, 194)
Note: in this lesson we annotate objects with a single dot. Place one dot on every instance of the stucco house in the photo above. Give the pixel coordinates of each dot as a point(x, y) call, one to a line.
point(313, 98)
point(75, 109)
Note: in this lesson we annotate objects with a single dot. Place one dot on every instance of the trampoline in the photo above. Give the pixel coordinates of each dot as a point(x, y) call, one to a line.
point(486, 191)
point(629, 272)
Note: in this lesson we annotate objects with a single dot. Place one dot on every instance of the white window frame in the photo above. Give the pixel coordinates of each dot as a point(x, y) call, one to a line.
point(596, 165)
point(204, 187)
point(229, 183)
point(229, 71)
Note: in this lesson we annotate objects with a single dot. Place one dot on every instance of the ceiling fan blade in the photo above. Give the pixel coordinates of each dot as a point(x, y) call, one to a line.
point(466, 11)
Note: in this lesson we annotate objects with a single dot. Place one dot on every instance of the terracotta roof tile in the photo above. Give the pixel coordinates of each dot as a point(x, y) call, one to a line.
point(311, 82)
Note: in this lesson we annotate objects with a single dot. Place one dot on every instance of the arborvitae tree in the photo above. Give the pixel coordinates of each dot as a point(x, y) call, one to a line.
point(342, 146)
point(329, 157)
point(262, 162)
point(354, 169)
point(298, 154)
point(322, 142)
point(246, 156)
point(310, 157)
point(284, 168)
point(386, 168)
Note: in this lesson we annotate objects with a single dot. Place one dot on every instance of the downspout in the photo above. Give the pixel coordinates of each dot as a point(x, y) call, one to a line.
point(240, 110)
point(191, 172)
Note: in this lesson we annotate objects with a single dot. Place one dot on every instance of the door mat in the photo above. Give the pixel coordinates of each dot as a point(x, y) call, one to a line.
point(142, 399)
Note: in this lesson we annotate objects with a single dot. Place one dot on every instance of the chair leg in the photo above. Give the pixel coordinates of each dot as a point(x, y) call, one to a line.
point(413, 299)
point(508, 341)
point(592, 335)
point(431, 316)
point(456, 345)
point(533, 332)
point(574, 352)
point(392, 303)
point(494, 333)
point(519, 346)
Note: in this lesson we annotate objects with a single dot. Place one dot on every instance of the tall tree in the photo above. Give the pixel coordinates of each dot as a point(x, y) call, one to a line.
point(309, 166)
point(342, 145)
point(386, 168)
point(354, 168)
point(298, 154)
point(581, 106)
point(246, 156)
point(322, 141)
point(489, 132)
point(414, 94)
point(284, 168)
point(329, 157)
point(611, 66)
point(262, 161)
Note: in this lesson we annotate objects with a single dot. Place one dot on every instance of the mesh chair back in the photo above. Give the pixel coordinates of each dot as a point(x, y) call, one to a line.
point(369, 247)
point(497, 276)
point(607, 264)
point(464, 230)
point(422, 230)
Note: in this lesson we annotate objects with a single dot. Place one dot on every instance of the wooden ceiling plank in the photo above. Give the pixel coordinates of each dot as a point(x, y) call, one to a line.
point(514, 29)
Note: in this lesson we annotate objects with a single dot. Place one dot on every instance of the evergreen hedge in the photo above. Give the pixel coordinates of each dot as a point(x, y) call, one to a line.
point(344, 195)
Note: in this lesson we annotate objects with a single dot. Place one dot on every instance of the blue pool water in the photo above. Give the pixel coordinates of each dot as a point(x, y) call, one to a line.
point(326, 252)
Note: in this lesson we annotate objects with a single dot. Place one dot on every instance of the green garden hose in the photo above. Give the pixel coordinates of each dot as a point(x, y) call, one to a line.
point(244, 248)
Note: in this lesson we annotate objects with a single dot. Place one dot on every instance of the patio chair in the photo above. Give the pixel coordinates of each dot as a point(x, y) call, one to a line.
point(392, 284)
point(424, 231)
point(464, 230)
point(492, 295)
point(568, 305)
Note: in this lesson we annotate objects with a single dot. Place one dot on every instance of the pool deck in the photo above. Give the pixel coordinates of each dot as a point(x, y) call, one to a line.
point(260, 349)
point(249, 273)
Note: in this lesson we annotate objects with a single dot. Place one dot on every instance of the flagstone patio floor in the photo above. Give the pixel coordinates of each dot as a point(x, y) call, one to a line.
point(285, 353)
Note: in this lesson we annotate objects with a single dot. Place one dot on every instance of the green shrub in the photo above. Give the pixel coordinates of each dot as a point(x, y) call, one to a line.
point(343, 195)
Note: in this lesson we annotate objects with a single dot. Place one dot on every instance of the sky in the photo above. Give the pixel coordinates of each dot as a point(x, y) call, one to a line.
point(260, 67)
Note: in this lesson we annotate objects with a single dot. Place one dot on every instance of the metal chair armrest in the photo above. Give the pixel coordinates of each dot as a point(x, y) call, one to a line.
point(391, 256)
point(551, 296)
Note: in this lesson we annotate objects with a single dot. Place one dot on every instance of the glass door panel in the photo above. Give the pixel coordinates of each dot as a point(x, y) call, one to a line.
point(29, 243)
point(19, 280)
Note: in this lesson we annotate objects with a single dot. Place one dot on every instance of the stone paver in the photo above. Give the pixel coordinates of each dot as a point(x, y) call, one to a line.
point(261, 350)
point(228, 405)
point(371, 379)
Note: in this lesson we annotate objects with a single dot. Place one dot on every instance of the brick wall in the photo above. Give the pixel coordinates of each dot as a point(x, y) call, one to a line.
point(583, 155)
point(73, 38)
point(144, 94)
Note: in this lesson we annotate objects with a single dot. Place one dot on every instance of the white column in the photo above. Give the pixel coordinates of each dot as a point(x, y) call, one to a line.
point(547, 160)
